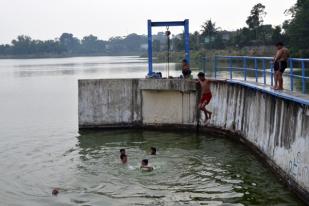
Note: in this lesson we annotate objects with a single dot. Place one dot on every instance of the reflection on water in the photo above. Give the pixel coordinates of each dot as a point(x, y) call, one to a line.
point(102, 67)
point(39, 149)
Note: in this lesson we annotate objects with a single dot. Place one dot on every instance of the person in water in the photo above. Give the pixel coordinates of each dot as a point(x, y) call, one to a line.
point(153, 151)
point(205, 95)
point(280, 64)
point(186, 72)
point(55, 192)
point(123, 156)
point(145, 166)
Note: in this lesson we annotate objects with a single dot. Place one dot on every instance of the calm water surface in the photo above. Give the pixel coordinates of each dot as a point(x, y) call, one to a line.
point(41, 148)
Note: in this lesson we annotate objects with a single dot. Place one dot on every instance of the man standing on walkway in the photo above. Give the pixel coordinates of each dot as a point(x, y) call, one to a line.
point(280, 64)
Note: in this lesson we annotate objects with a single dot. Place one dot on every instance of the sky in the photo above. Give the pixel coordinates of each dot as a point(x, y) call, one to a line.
point(48, 19)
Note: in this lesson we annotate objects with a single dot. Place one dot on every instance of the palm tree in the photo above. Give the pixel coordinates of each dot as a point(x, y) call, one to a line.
point(209, 30)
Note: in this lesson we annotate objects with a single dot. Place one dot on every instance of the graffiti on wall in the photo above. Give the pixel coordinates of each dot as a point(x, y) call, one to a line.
point(298, 169)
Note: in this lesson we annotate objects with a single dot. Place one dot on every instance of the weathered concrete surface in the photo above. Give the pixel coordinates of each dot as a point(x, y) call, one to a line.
point(276, 128)
point(168, 107)
point(108, 103)
point(133, 102)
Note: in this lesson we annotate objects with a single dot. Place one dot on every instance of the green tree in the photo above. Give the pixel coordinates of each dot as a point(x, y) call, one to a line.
point(209, 30)
point(156, 45)
point(195, 41)
point(22, 45)
point(178, 42)
point(91, 45)
point(242, 38)
point(256, 17)
point(297, 29)
point(133, 42)
point(277, 35)
point(71, 43)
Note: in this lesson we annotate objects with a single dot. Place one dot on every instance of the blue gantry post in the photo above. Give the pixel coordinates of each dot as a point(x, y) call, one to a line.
point(151, 24)
point(150, 69)
point(187, 40)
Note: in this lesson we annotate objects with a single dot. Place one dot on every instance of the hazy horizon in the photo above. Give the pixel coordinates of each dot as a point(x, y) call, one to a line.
point(50, 18)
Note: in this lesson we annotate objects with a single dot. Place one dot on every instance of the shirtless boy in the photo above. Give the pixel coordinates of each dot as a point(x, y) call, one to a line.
point(280, 64)
point(145, 167)
point(123, 156)
point(186, 71)
point(205, 95)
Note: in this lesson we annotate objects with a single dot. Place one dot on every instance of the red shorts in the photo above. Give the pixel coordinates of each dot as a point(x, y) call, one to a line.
point(206, 98)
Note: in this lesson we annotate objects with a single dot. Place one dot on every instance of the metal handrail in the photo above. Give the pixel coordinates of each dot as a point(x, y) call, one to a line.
point(267, 67)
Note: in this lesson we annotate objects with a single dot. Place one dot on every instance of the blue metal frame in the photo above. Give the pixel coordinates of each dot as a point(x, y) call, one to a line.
point(231, 67)
point(264, 70)
point(256, 70)
point(151, 24)
point(245, 68)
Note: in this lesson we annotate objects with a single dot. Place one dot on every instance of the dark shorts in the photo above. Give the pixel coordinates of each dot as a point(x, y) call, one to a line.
point(280, 66)
point(186, 72)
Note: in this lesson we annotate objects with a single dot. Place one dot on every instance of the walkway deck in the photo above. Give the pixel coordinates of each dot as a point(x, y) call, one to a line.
point(285, 94)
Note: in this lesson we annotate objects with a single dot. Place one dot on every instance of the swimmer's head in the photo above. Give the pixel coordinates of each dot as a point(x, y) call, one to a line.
point(124, 158)
point(122, 151)
point(55, 192)
point(144, 162)
point(184, 62)
point(153, 151)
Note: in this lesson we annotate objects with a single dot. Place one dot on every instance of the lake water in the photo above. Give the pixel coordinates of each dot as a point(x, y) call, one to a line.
point(41, 148)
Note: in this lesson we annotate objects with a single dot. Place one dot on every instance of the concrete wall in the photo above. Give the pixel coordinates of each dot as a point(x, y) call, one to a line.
point(276, 128)
point(133, 102)
point(108, 103)
point(168, 107)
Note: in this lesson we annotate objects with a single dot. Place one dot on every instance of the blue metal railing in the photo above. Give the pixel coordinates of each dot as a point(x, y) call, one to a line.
point(258, 69)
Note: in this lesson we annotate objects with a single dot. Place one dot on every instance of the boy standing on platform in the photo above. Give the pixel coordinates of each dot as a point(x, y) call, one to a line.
point(280, 64)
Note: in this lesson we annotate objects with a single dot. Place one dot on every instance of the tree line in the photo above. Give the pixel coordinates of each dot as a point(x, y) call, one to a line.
point(68, 45)
point(293, 32)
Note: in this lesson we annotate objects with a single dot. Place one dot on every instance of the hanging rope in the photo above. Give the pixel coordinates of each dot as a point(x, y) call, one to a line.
point(168, 33)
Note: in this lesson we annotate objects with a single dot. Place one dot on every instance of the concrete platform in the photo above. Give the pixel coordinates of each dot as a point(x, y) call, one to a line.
point(274, 124)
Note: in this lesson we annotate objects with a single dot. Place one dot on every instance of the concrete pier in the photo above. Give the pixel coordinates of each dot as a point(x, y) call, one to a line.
point(275, 126)
point(132, 102)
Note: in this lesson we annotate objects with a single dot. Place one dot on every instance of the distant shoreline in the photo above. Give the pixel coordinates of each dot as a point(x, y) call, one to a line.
point(48, 56)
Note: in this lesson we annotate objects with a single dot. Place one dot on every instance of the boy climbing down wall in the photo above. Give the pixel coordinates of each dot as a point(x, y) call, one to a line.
point(205, 95)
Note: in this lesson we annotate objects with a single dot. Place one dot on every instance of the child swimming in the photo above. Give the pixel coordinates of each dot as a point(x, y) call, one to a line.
point(145, 167)
point(123, 156)
point(153, 151)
